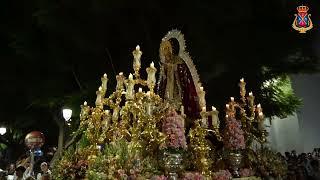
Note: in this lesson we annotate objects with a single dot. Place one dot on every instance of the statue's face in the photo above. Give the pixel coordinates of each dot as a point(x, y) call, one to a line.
point(167, 50)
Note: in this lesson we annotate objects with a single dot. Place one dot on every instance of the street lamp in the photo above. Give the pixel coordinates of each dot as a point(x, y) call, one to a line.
point(3, 130)
point(67, 113)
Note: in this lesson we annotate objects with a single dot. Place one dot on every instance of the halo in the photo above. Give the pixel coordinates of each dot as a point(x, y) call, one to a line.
point(175, 34)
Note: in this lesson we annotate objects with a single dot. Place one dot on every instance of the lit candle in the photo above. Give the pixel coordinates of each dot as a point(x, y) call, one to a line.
point(107, 112)
point(227, 116)
point(140, 90)
point(85, 103)
point(148, 94)
point(242, 80)
point(137, 58)
point(130, 87)
point(214, 117)
point(251, 99)
point(130, 76)
point(99, 97)
point(151, 80)
point(104, 81)
point(120, 80)
point(259, 106)
point(227, 106)
point(261, 121)
point(202, 100)
point(204, 117)
point(232, 99)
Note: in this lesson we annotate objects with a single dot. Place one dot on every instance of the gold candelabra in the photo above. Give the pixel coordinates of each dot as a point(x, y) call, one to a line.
point(255, 115)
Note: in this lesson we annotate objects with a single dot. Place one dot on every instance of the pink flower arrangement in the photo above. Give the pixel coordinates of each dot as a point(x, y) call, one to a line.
point(222, 175)
point(245, 172)
point(193, 176)
point(173, 128)
point(162, 177)
point(233, 135)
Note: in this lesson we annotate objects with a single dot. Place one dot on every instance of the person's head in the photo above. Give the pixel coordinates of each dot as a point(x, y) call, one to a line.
point(19, 171)
point(44, 167)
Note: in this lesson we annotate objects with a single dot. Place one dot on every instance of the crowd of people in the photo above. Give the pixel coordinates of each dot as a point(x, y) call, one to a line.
point(304, 166)
point(26, 172)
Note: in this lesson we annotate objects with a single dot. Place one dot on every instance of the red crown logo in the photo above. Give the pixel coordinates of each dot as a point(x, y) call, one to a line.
point(302, 9)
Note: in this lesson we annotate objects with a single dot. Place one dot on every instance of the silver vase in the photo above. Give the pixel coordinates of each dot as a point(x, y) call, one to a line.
point(172, 164)
point(235, 159)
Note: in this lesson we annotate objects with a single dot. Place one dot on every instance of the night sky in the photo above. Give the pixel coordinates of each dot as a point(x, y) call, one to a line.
point(53, 53)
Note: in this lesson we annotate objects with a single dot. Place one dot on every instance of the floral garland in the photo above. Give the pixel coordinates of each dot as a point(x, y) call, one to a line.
point(222, 175)
point(173, 128)
point(233, 135)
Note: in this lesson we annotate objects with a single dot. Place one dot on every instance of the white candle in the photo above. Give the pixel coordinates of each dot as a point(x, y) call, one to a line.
point(227, 116)
point(140, 90)
point(120, 73)
point(138, 48)
point(259, 106)
point(227, 106)
point(85, 103)
point(107, 112)
point(100, 88)
point(242, 80)
point(250, 94)
point(130, 77)
point(130, 87)
point(148, 93)
point(105, 75)
point(152, 65)
point(232, 99)
point(182, 110)
point(214, 117)
point(202, 100)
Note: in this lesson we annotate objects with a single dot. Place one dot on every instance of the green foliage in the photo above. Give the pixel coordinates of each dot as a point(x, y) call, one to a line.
point(117, 157)
point(279, 98)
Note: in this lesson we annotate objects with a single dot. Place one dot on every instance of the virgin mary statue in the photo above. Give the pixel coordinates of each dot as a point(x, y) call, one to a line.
point(179, 82)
